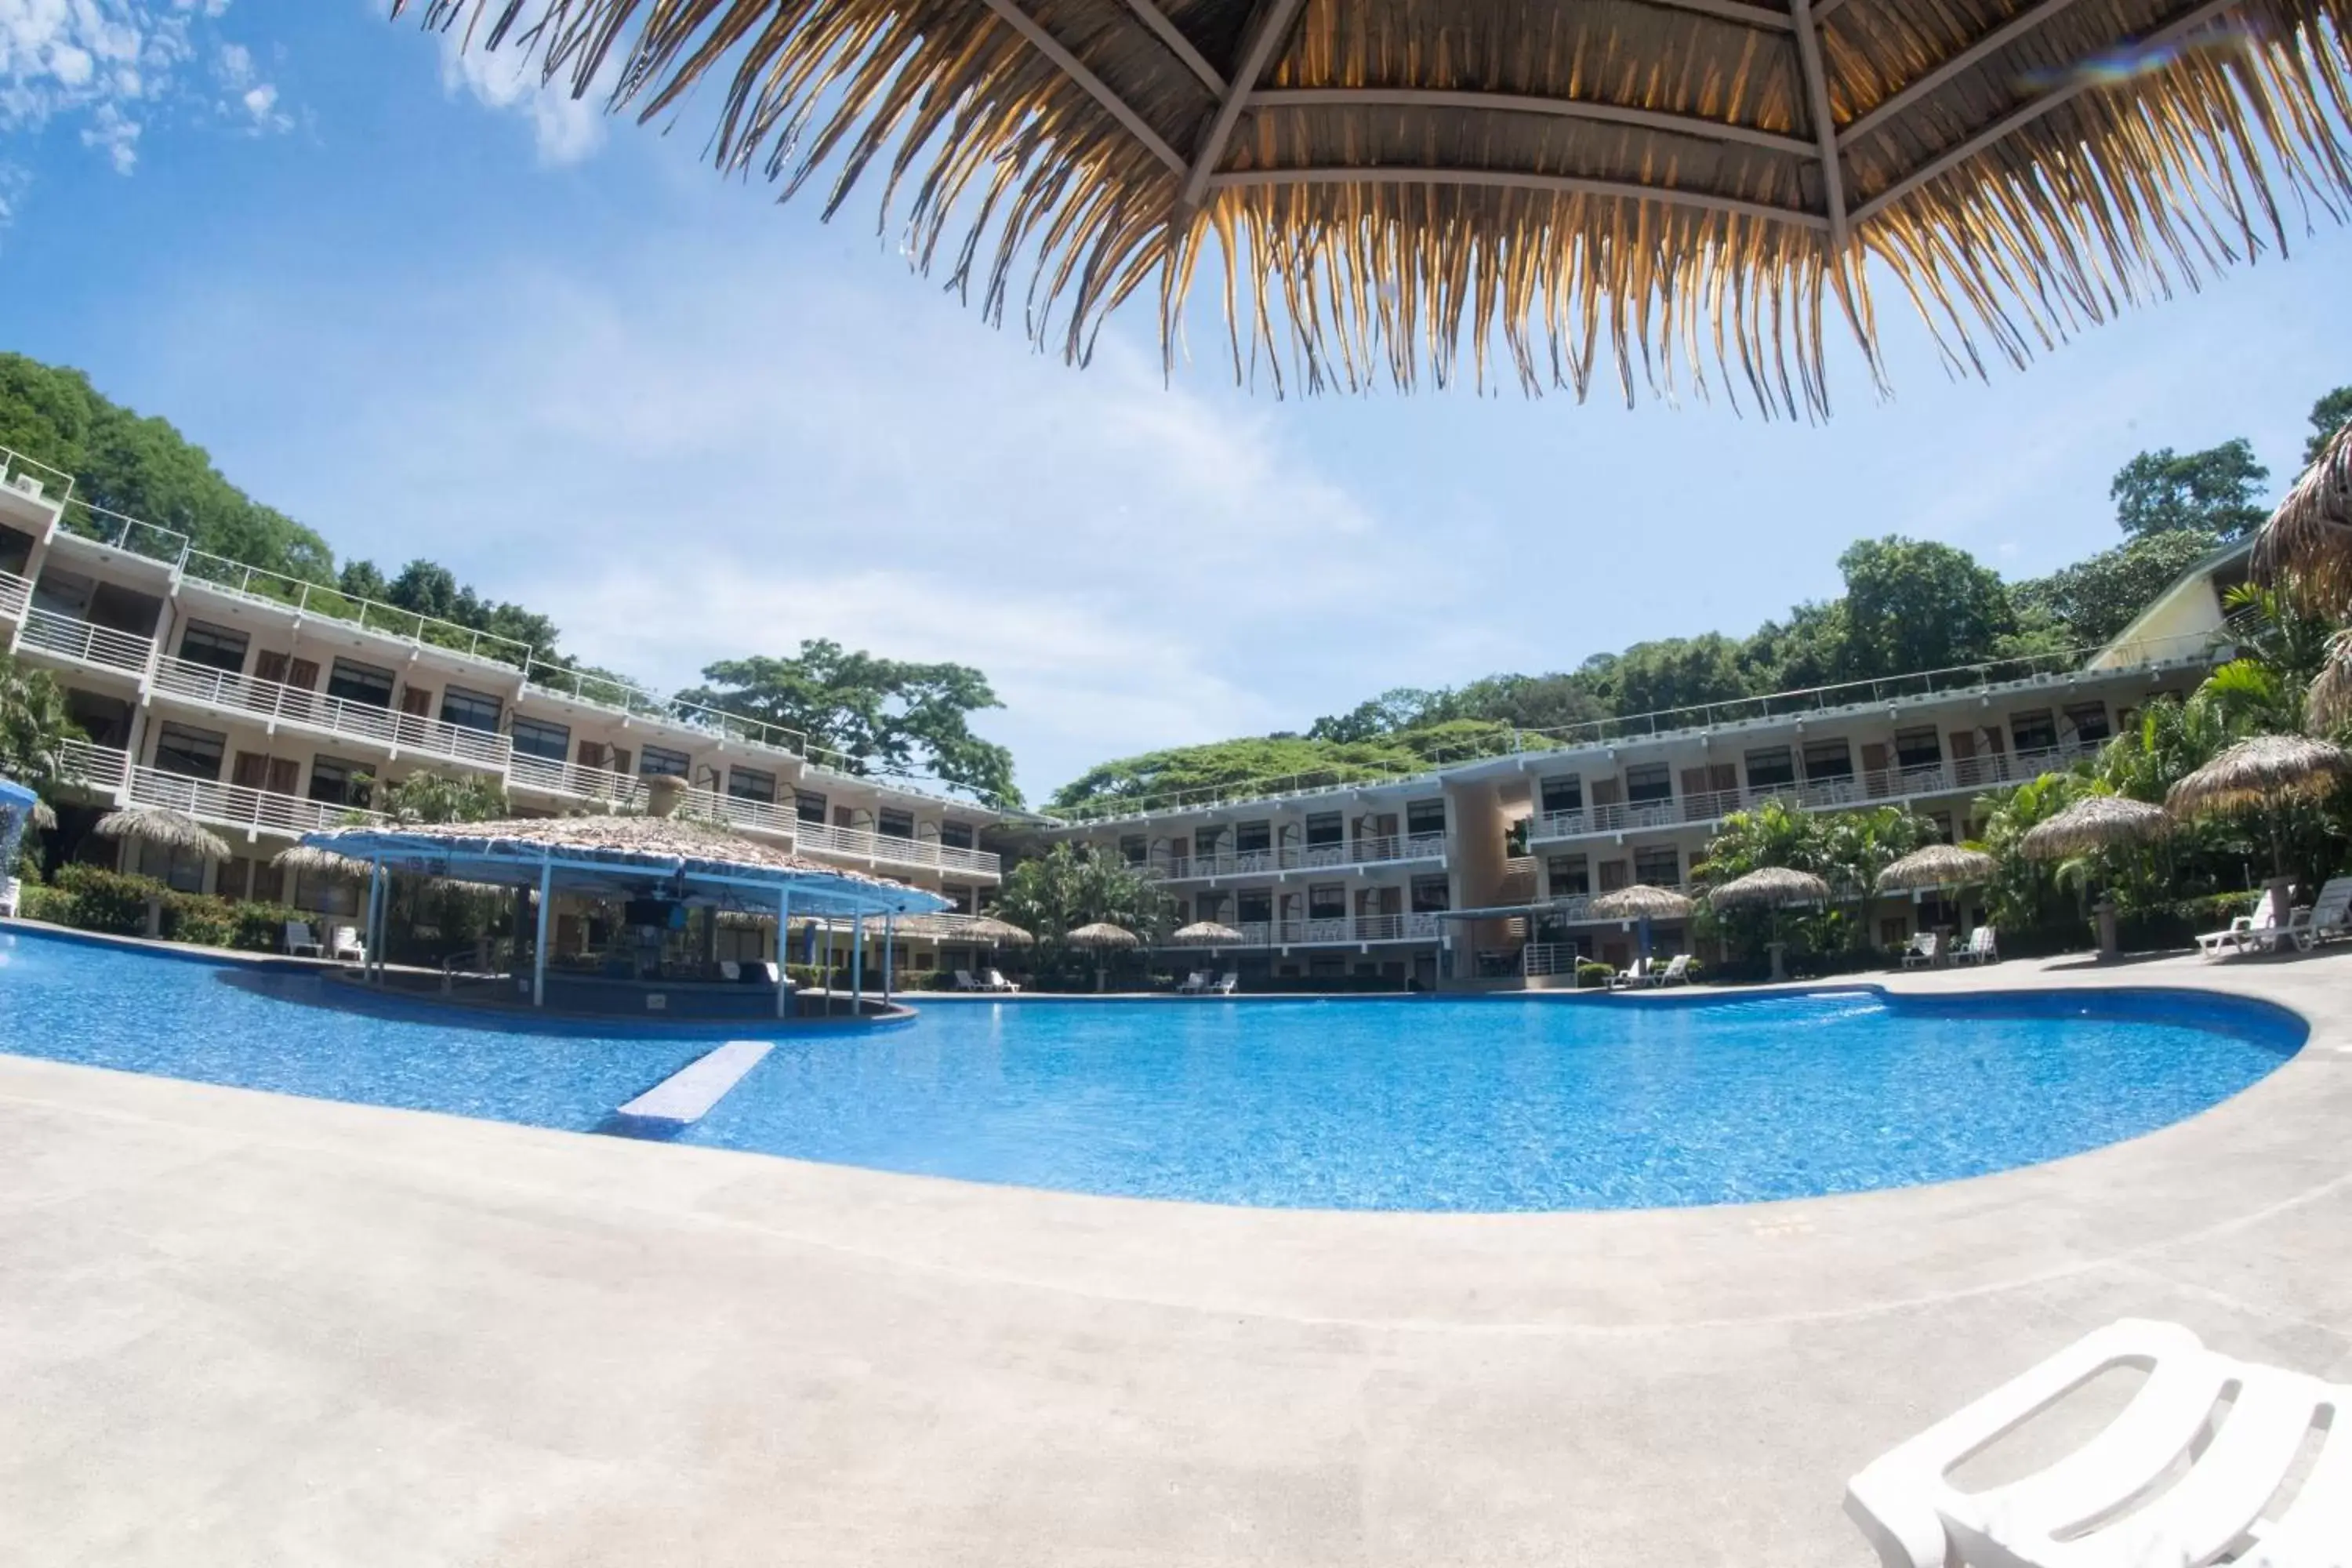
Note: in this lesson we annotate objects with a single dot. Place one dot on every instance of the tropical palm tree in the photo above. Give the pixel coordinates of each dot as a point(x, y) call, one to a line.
point(428, 796)
point(1073, 886)
point(34, 726)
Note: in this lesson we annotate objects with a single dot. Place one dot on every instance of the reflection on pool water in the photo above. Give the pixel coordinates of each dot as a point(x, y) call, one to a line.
point(1486, 1103)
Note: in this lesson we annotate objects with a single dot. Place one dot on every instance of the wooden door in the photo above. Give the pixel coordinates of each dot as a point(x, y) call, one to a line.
point(418, 702)
point(285, 773)
point(271, 667)
point(303, 673)
point(1874, 781)
point(251, 771)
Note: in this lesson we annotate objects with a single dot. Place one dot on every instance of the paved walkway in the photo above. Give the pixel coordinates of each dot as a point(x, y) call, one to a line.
point(239, 1329)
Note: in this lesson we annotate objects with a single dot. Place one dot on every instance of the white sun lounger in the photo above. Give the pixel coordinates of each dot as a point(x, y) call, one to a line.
point(1922, 950)
point(1983, 947)
point(2245, 933)
point(2079, 1512)
point(2329, 916)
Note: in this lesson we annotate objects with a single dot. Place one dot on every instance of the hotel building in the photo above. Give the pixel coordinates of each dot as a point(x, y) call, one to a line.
point(267, 708)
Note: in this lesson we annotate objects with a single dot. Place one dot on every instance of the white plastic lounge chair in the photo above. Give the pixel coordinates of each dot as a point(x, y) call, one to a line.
point(964, 982)
point(730, 971)
point(2329, 916)
point(1675, 972)
point(764, 972)
point(346, 945)
point(2244, 933)
point(1922, 950)
point(299, 937)
point(1227, 983)
point(1627, 979)
point(1195, 983)
point(1983, 947)
point(2098, 1508)
point(996, 982)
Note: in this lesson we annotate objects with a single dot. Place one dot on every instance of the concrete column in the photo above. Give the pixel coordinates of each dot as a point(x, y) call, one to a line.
point(889, 955)
point(858, 967)
point(783, 942)
point(539, 949)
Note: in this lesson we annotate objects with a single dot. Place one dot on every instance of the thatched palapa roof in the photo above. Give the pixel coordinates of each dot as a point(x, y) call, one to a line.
point(1769, 887)
point(2267, 770)
point(164, 828)
point(2094, 822)
point(2307, 544)
point(1937, 866)
point(1207, 934)
point(1102, 934)
point(312, 861)
point(1671, 192)
point(1640, 902)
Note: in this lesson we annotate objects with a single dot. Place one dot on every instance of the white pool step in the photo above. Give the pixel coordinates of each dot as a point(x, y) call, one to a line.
point(687, 1094)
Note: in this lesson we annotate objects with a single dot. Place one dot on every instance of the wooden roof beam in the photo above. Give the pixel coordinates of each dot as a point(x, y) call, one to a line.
point(1095, 87)
point(1504, 179)
point(2007, 33)
point(1268, 27)
point(1514, 103)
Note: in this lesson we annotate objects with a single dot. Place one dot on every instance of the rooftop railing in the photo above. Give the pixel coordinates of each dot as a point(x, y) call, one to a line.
point(31, 478)
point(1387, 849)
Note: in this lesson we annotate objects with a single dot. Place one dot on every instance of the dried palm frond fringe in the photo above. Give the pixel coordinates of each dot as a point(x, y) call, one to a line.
point(1605, 190)
point(2307, 542)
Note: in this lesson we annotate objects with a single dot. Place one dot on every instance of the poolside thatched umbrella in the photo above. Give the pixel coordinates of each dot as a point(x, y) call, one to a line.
point(2097, 822)
point(1207, 934)
point(2307, 541)
point(167, 829)
point(1772, 887)
point(1643, 903)
point(2266, 773)
point(997, 933)
point(307, 859)
point(1606, 192)
point(1937, 866)
point(1102, 937)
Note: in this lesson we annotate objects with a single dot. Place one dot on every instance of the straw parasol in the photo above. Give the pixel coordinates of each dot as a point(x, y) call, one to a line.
point(2094, 822)
point(1102, 937)
point(2308, 540)
point(164, 828)
point(996, 933)
point(1207, 934)
point(1770, 887)
point(1937, 866)
point(1607, 194)
point(310, 860)
point(1640, 903)
point(2265, 774)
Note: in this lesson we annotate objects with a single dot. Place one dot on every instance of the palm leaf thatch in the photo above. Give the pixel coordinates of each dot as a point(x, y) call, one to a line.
point(1669, 193)
point(42, 815)
point(2266, 771)
point(311, 860)
point(164, 828)
point(2094, 822)
point(1207, 934)
point(1768, 887)
point(1937, 866)
point(2307, 542)
point(996, 933)
point(1640, 902)
point(1102, 934)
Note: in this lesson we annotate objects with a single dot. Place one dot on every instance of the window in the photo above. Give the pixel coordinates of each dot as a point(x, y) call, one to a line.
point(2033, 731)
point(1325, 828)
point(891, 823)
point(1828, 760)
point(1613, 875)
point(1210, 907)
point(1134, 848)
point(538, 738)
point(469, 709)
point(1770, 767)
point(958, 899)
point(213, 648)
point(1254, 907)
point(182, 870)
point(1648, 784)
point(1425, 818)
point(809, 806)
point(1571, 875)
point(1431, 894)
point(1326, 901)
point(1658, 865)
point(1208, 841)
point(366, 683)
point(2090, 722)
point(1564, 794)
point(956, 836)
point(339, 783)
point(1253, 837)
point(751, 783)
point(661, 763)
point(1917, 748)
point(190, 753)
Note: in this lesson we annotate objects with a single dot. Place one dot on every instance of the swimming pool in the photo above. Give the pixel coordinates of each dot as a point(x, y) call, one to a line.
point(1469, 1104)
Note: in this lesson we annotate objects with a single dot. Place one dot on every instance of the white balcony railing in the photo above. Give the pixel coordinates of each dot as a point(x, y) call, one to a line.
point(1876, 787)
point(99, 769)
point(15, 596)
point(747, 816)
point(300, 707)
point(1333, 930)
point(83, 642)
point(857, 844)
point(1379, 851)
point(574, 781)
point(234, 806)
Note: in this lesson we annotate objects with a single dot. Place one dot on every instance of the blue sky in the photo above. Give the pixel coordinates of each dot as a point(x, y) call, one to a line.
point(429, 311)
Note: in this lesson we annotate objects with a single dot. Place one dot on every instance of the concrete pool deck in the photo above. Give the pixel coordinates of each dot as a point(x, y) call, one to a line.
point(237, 1328)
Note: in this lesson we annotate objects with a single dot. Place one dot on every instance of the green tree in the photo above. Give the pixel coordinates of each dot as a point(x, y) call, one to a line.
point(1207, 772)
point(1073, 886)
point(1674, 672)
point(876, 715)
point(34, 726)
point(2329, 415)
point(1913, 605)
point(427, 797)
point(2216, 491)
point(2092, 601)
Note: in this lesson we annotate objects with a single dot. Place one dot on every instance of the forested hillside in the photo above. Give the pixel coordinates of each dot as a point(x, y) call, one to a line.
point(1910, 604)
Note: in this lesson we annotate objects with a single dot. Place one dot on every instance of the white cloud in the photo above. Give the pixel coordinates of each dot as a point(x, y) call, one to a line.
point(564, 129)
point(110, 65)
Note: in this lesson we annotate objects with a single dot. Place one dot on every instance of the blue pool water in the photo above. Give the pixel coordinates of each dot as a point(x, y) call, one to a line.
point(1504, 1104)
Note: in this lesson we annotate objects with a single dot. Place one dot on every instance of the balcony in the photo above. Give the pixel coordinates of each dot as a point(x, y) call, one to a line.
point(84, 643)
point(98, 769)
point(1336, 931)
point(573, 781)
point(1390, 850)
point(1878, 787)
point(883, 848)
point(234, 805)
point(15, 596)
point(746, 815)
point(298, 708)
